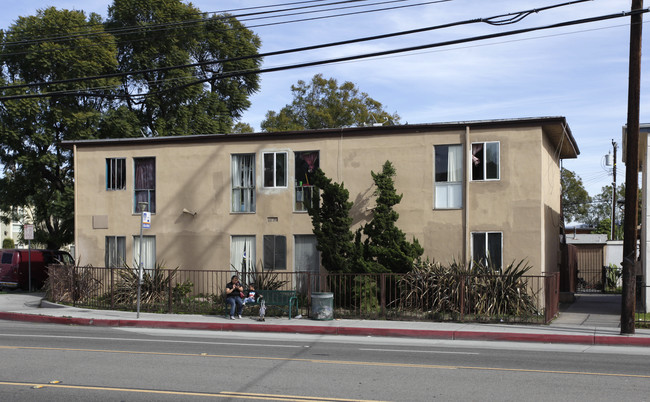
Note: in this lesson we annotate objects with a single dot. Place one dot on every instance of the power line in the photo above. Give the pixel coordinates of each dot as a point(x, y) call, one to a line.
point(490, 20)
point(168, 26)
point(149, 28)
point(348, 58)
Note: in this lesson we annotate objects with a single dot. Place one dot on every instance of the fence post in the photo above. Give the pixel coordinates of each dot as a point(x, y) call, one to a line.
point(462, 297)
point(383, 294)
point(169, 287)
point(112, 288)
point(73, 288)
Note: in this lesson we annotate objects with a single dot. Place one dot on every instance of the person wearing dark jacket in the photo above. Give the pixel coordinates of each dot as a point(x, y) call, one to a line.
point(234, 290)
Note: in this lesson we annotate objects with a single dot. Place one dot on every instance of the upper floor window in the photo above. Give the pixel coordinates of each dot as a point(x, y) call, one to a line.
point(449, 176)
point(115, 174)
point(306, 164)
point(485, 161)
point(243, 183)
point(145, 183)
point(487, 248)
point(275, 169)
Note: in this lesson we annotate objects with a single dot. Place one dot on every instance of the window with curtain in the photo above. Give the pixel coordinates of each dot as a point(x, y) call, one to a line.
point(305, 165)
point(148, 251)
point(485, 161)
point(306, 255)
point(306, 259)
point(275, 252)
point(145, 183)
point(242, 257)
point(448, 192)
point(115, 174)
point(275, 169)
point(486, 247)
point(243, 182)
point(115, 251)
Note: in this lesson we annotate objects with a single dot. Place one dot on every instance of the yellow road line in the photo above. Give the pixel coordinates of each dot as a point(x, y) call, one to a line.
point(268, 397)
point(345, 362)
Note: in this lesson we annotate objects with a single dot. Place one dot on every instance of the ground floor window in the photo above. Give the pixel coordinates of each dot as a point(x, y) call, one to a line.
point(307, 260)
point(242, 257)
point(115, 251)
point(148, 251)
point(486, 247)
point(275, 252)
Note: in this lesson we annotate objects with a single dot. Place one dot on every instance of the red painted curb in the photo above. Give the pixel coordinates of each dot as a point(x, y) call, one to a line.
point(326, 330)
point(621, 340)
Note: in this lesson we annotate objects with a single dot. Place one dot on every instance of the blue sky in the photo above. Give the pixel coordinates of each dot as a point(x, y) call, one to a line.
point(579, 72)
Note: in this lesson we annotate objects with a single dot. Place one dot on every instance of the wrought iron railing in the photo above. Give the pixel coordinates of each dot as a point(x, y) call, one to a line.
point(483, 298)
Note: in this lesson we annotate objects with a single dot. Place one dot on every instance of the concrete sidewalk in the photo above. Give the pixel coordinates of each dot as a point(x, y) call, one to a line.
point(591, 320)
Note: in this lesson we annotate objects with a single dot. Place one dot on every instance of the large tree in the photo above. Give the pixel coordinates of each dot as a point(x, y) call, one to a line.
point(575, 199)
point(600, 213)
point(141, 39)
point(331, 221)
point(53, 45)
point(171, 33)
point(323, 103)
point(386, 247)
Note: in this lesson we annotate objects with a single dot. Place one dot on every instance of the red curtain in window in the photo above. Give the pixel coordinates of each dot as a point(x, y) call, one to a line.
point(310, 158)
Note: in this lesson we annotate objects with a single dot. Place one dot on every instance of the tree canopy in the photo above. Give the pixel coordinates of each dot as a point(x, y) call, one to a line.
point(386, 245)
point(140, 93)
point(384, 249)
point(174, 107)
point(575, 199)
point(331, 222)
point(38, 171)
point(323, 103)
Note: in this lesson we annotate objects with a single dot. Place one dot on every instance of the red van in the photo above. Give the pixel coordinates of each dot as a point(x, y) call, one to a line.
point(14, 266)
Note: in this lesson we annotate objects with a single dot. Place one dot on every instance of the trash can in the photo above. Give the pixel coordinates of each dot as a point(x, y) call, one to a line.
point(322, 306)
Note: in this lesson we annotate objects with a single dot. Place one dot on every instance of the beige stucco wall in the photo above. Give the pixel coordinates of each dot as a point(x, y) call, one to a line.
point(551, 179)
point(196, 176)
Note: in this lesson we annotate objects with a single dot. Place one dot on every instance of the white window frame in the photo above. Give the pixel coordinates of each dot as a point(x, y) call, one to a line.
point(242, 184)
point(448, 194)
point(483, 158)
point(487, 245)
point(274, 170)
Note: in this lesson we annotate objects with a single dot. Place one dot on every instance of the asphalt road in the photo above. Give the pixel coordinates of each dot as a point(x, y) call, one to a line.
point(65, 363)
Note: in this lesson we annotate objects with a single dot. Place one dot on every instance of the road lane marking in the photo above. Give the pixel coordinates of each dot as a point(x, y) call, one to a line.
point(342, 362)
point(420, 351)
point(223, 394)
point(154, 340)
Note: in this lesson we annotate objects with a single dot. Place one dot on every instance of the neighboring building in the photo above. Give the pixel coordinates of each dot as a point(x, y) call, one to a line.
point(469, 189)
point(13, 229)
point(590, 258)
point(643, 268)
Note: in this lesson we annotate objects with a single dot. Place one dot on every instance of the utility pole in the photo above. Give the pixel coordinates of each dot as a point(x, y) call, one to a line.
point(614, 193)
point(632, 171)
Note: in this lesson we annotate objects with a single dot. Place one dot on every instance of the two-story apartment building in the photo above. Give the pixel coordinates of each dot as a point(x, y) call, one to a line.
point(469, 189)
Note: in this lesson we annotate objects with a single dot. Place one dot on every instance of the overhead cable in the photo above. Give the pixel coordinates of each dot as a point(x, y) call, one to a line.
point(308, 48)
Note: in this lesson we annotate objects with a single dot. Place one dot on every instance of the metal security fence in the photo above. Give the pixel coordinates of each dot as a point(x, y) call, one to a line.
point(485, 298)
